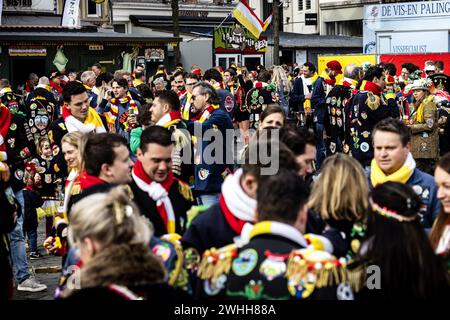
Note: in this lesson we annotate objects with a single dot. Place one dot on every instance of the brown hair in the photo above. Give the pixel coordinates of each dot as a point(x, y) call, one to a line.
point(442, 219)
point(271, 109)
point(341, 192)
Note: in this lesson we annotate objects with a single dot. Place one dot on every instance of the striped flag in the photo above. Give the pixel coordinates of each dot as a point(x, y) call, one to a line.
point(267, 22)
point(245, 15)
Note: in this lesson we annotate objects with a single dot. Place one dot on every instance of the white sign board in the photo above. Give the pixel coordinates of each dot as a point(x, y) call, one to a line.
point(71, 16)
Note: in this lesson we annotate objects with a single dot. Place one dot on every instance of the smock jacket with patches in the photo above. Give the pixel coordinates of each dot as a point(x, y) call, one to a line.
point(274, 265)
point(425, 134)
point(364, 111)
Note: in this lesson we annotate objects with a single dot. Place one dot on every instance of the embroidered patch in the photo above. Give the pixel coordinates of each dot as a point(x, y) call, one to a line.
point(332, 147)
point(203, 174)
point(11, 142)
point(304, 287)
point(364, 115)
point(33, 106)
point(328, 100)
point(245, 262)
point(261, 100)
point(365, 134)
point(430, 123)
point(229, 103)
point(344, 292)
point(18, 174)
point(212, 288)
point(333, 121)
point(339, 122)
point(31, 122)
point(333, 111)
point(338, 112)
point(272, 267)
point(191, 259)
point(13, 126)
point(418, 189)
point(48, 178)
point(333, 101)
point(162, 251)
point(41, 122)
point(364, 147)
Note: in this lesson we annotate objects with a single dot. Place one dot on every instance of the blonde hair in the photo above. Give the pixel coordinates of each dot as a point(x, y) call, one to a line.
point(342, 191)
point(279, 77)
point(72, 138)
point(109, 218)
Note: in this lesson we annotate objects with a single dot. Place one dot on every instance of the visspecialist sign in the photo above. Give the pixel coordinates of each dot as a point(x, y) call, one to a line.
point(237, 39)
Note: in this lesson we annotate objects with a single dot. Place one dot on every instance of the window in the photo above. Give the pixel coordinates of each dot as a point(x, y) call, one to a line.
point(300, 5)
point(93, 9)
point(344, 28)
point(308, 4)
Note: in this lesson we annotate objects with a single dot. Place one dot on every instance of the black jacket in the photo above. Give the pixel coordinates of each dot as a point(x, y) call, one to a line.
point(147, 207)
point(33, 200)
point(209, 229)
point(20, 148)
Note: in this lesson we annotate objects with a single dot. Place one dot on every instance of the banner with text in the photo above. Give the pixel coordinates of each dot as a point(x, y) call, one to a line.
point(237, 39)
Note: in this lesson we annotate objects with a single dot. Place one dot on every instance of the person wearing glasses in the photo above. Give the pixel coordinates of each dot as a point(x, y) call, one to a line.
point(212, 160)
point(190, 80)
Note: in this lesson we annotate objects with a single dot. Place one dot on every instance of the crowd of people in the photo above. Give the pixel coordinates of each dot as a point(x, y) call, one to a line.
point(229, 184)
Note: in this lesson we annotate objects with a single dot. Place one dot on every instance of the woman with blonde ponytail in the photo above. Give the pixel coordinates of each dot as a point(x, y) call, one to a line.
point(115, 257)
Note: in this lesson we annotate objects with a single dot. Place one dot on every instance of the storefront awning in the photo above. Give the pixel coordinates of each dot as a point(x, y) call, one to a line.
point(76, 38)
point(187, 24)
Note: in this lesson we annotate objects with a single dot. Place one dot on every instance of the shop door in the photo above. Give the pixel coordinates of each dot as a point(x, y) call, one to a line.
point(21, 67)
point(225, 60)
point(251, 61)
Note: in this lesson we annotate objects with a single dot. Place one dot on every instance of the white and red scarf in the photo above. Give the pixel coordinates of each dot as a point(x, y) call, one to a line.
point(113, 113)
point(92, 122)
point(237, 207)
point(169, 119)
point(159, 192)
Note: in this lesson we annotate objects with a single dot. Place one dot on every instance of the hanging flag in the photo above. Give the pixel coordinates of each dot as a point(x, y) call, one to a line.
point(267, 22)
point(245, 15)
point(71, 16)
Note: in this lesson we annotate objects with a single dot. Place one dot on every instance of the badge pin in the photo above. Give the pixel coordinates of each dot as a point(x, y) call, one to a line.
point(245, 262)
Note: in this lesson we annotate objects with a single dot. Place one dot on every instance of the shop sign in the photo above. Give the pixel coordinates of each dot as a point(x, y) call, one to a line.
point(154, 54)
point(194, 14)
point(29, 5)
point(27, 51)
point(238, 39)
point(411, 9)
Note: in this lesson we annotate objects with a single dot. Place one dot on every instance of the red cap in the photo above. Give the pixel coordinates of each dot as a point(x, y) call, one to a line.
point(335, 65)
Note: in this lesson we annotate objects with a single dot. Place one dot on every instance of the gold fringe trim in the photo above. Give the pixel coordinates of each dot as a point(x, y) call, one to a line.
point(216, 262)
point(185, 191)
point(326, 272)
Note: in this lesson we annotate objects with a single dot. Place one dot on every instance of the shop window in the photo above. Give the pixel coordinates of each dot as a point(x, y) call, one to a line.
point(93, 9)
point(300, 5)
